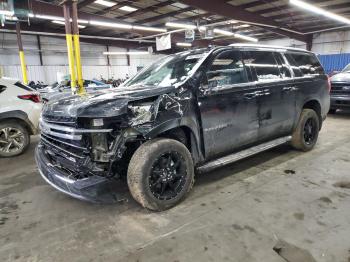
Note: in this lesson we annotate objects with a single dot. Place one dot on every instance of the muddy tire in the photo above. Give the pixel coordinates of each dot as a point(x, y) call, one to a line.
point(14, 138)
point(305, 135)
point(160, 174)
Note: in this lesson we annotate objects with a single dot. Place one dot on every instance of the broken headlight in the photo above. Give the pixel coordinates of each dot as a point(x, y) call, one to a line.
point(141, 113)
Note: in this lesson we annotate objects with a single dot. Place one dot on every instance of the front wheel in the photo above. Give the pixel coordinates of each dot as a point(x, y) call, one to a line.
point(14, 139)
point(160, 174)
point(305, 136)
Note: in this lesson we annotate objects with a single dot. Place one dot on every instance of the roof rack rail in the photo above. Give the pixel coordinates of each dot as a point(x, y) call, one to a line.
point(269, 46)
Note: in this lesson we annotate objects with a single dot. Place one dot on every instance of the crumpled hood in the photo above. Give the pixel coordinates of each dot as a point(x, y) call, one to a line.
point(105, 103)
point(341, 77)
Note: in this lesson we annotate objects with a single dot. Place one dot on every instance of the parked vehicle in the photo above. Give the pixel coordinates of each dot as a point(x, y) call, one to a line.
point(20, 108)
point(196, 110)
point(340, 91)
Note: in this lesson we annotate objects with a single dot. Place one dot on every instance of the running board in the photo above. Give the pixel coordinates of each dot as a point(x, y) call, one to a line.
point(242, 154)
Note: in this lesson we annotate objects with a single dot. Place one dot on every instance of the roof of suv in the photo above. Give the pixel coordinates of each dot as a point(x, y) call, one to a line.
point(271, 47)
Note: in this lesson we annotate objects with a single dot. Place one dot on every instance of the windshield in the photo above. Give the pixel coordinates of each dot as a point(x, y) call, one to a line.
point(169, 71)
point(347, 68)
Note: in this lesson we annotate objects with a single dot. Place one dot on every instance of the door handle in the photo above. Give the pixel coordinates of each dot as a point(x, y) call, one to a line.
point(290, 88)
point(249, 95)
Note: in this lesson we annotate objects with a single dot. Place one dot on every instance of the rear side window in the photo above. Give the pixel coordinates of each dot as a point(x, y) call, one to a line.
point(308, 64)
point(264, 64)
point(227, 69)
point(2, 88)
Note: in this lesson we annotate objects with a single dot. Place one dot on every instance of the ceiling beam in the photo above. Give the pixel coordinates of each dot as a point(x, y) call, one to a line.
point(85, 3)
point(58, 33)
point(237, 13)
point(170, 14)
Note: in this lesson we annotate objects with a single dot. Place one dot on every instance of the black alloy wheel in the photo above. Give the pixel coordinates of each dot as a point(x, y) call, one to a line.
point(310, 131)
point(168, 176)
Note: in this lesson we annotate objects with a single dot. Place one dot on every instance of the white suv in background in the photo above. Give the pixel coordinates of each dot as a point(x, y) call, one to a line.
point(20, 109)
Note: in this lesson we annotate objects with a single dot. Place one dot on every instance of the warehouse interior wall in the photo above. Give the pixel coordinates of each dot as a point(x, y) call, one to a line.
point(55, 60)
point(95, 64)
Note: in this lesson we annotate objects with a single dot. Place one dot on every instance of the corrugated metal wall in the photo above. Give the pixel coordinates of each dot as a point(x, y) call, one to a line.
point(334, 62)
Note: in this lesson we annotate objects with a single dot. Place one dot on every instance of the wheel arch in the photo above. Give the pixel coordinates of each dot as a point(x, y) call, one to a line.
point(183, 131)
point(316, 106)
point(18, 116)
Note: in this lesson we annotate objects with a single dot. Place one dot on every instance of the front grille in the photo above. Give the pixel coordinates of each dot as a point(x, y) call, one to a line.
point(60, 120)
point(340, 88)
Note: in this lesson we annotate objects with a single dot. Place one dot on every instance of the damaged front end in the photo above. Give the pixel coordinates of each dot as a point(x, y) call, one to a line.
point(80, 155)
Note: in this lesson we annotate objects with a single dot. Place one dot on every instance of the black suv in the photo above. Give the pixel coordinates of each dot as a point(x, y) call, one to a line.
point(340, 92)
point(195, 110)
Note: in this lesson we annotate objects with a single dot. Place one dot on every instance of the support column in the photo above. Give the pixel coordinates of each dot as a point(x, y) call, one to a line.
point(40, 52)
point(309, 42)
point(76, 40)
point(21, 54)
point(66, 11)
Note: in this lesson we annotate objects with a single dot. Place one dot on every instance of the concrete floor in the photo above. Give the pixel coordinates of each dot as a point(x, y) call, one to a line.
point(299, 201)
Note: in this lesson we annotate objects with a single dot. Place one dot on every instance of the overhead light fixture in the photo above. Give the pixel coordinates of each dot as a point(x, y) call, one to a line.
point(105, 3)
point(228, 33)
point(114, 25)
point(7, 12)
point(49, 17)
point(11, 18)
point(223, 32)
point(127, 8)
point(184, 44)
point(127, 53)
point(63, 23)
point(180, 25)
point(319, 11)
point(247, 38)
point(148, 28)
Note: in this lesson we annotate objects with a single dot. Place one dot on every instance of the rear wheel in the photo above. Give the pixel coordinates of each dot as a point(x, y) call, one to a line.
point(305, 135)
point(14, 139)
point(160, 174)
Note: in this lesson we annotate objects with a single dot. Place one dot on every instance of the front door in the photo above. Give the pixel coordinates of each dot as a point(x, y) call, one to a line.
point(228, 105)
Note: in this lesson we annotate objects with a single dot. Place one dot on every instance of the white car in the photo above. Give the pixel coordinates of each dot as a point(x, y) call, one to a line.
point(20, 109)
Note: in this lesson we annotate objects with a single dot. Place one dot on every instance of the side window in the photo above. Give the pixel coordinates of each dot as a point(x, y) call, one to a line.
point(307, 63)
point(2, 88)
point(227, 69)
point(293, 64)
point(264, 64)
point(282, 66)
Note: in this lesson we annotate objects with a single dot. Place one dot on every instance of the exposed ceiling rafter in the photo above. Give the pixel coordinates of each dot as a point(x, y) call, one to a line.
point(240, 14)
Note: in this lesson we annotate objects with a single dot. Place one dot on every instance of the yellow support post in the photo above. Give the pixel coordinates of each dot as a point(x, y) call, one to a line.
point(21, 54)
point(69, 39)
point(76, 40)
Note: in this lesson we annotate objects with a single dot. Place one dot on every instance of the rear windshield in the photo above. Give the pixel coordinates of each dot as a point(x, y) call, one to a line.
point(20, 85)
point(304, 64)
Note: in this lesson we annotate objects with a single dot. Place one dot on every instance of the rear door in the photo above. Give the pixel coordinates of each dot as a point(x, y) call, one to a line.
point(276, 93)
point(309, 78)
point(228, 105)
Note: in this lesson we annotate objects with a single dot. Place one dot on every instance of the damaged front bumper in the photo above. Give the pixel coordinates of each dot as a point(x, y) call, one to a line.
point(94, 188)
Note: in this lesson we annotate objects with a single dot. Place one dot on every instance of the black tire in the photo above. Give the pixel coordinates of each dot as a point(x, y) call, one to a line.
point(305, 135)
point(332, 111)
point(19, 141)
point(145, 171)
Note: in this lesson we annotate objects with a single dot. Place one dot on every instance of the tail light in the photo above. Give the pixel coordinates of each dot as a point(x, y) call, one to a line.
point(329, 84)
point(32, 97)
